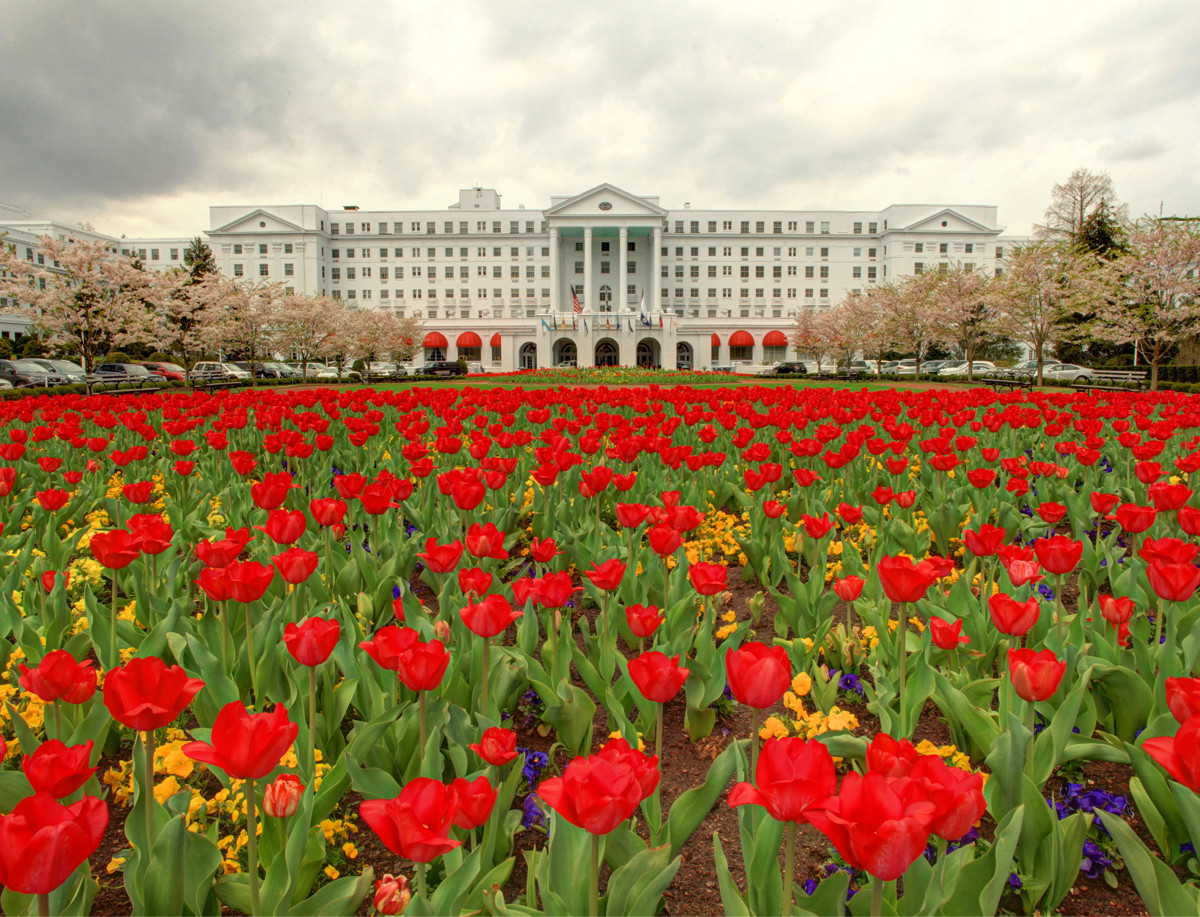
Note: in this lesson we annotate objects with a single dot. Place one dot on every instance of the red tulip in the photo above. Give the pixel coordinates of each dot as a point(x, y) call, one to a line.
point(349, 486)
point(248, 580)
point(1179, 755)
point(58, 769)
point(8, 478)
point(473, 801)
point(183, 469)
point(1173, 582)
point(1168, 551)
point(1059, 554)
point(52, 500)
point(243, 462)
point(773, 509)
point(891, 757)
point(441, 558)
point(606, 576)
point(59, 676)
point(816, 528)
point(957, 794)
point(271, 492)
point(664, 540)
point(981, 477)
point(490, 616)
point(151, 534)
point(416, 824)
point(223, 552)
point(115, 549)
point(1102, 503)
point(1168, 497)
point(467, 493)
point(876, 824)
point(327, 511)
point(138, 491)
point(601, 791)
point(643, 620)
point(543, 550)
point(42, 841)
point(851, 515)
point(486, 541)
point(1051, 512)
point(848, 588)
point(554, 590)
point(631, 515)
point(146, 694)
point(1135, 519)
point(1189, 520)
point(1183, 698)
point(392, 894)
point(496, 746)
point(295, 565)
point(945, 635)
point(376, 499)
point(657, 676)
point(1012, 617)
point(793, 777)
point(50, 577)
point(421, 665)
point(904, 581)
point(282, 796)
point(474, 580)
point(1035, 676)
point(707, 579)
point(388, 644)
point(312, 640)
point(245, 745)
point(758, 675)
point(284, 526)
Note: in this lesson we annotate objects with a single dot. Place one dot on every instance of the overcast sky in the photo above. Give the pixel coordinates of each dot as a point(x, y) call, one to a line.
point(136, 116)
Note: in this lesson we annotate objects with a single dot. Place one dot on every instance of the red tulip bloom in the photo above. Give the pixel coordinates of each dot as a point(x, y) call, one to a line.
point(245, 745)
point(115, 549)
point(1035, 676)
point(876, 824)
point(183, 469)
point(496, 746)
point(388, 644)
point(773, 509)
point(707, 579)
point(657, 676)
point(474, 580)
point(904, 581)
point(981, 477)
point(1058, 555)
point(312, 640)
point(1173, 582)
point(1168, 497)
point(57, 676)
point(606, 576)
point(272, 491)
point(42, 841)
point(816, 528)
point(792, 778)
point(58, 769)
point(599, 792)
point(1012, 617)
point(1189, 519)
point(848, 588)
point(50, 577)
point(146, 694)
point(1179, 754)
point(851, 515)
point(138, 491)
point(643, 620)
point(151, 534)
point(984, 541)
point(891, 757)
point(243, 462)
point(758, 675)
point(376, 499)
point(554, 590)
point(1183, 698)
point(350, 485)
point(945, 635)
point(284, 526)
point(490, 616)
point(248, 580)
point(486, 541)
point(1102, 503)
point(1135, 519)
point(421, 665)
point(416, 824)
point(328, 511)
point(1051, 512)
point(473, 801)
point(1168, 551)
point(282, 796)
point(957, 794)
point(664, 540)
point(543, 550)
point(52, 500)
point(224, 552)
point(467, 492)
point(441, 558)
point(631, 515)
point(214, 583)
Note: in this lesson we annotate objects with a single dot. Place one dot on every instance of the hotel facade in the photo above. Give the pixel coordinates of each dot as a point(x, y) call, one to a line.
point(604, 277)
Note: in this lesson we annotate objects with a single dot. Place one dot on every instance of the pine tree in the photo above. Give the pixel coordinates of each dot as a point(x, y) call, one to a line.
point(199, 261)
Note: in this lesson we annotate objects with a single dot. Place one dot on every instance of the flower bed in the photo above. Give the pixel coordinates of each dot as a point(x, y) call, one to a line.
point(599, 651)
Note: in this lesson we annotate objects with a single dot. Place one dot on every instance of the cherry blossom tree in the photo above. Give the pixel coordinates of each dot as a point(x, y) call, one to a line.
point(1153, 294)
point(246, 318)
point(962, 302)
point(84, 296)
point(810, 336)
point(305, 323)
point(864, 312)
point(186, 311)
point(910, 323)
point(382, 334)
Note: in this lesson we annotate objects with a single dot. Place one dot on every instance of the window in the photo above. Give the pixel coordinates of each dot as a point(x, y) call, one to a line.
point(417, 294)
point(431, 273)
point(712, 270)
point(745, 271)
point(919, 247)
point(679, 225)
point(856, 272)
point(792, 225)
point(727, 251)
point(726, 270)
point(943, 248)
point(824, 228)
point(808, 292)
point(791, 270)
point(679, 270)
point(237, 250)
point(366, 294)
point(712, 292)
point(263, 270)
point(824, 293)
point(630, 290)
point(858, 229)
point(694, 226)
point(383, 294)
point(777, 271)
point(777, 227)
point(695, 271)
point(399, 253)
point(175, 252)
point(449, 252)
point(727, 225)
point(399, 273)
point(350, 273)
point(416, 272)
point(999, 251)
point(629, 247)
point(262, 249)
point(745, 226)
point(334, 229)
point(810, 226)
point(873, 228)
point(497, 271)
point(679, 251)
point(968, 248)
point(350, 232)
point(745, 252)
point(462, 227)
point(760, 226)
point(531, 271)
point(870, 253)
point(578, 267)
point(871, 272)
point(824, 271)
point(726, 293)
point(808, 251)
point(463, 272)
point(497, 294)
point(759, 271)
point(791, 293)
point(496, 226)
point(514, 271)
point(630, 267)
point(546, 270)
point(289, 270)
point(383, 273)
point(415, 227)
point(809, 271)
point(366, 272)
point(351, 294)
point(237, 270)
point(745, 293)
point(712, 225)
point(918, 268)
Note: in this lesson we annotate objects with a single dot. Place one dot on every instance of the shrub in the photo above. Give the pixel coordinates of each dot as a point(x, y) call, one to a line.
point(117, 357)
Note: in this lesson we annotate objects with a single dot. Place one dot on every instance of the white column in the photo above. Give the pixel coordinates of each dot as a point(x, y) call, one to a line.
point(622, 274)
point(555, 293)
point(656, 271)
point(589, 304)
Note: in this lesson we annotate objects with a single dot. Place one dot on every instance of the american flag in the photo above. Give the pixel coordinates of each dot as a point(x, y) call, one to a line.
point(575, 299)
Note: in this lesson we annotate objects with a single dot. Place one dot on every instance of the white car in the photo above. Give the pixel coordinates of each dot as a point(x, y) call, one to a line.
point(331, 373)
point(311, 371)
point(904, 368)
point(1066, 372)
point(978, 368)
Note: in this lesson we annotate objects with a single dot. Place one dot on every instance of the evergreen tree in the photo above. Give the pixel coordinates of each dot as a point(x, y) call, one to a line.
point(199, 261)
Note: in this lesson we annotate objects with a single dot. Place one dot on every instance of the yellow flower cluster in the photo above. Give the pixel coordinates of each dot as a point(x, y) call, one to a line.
point(730, 617)
point(807, 725)
point(716, 536)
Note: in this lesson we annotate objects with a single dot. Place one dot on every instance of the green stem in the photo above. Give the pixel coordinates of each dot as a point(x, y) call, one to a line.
point(112, 620)
point(421, 718)
point(250, 656)
point(252, 847)
point(295, 603)
point(754, 718)
point(223, 617)
point(312, 721)
point(789, 870)
point(876, 897)
point(1058, 614)
point(487, 646)
point(421, 881)
point(902, 650)
point(148, 788)
point(594, 888)
point(43, 905)
point(58, 731)
point(1158, 624)
point(658, 733)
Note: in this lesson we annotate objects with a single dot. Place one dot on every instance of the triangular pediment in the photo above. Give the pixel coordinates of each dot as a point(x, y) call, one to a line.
point(254, 220)
point(953, 220)
point(591, 203)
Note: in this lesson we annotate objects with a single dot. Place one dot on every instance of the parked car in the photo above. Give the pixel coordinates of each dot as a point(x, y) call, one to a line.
point(565, 364)
point(268, 369)
point(330, 373)
point(978, 368)
point(933, 367)
point(904, 368)
point(1066, 372)
point(857, 367)
point(72, 372)
point(474, 369)
point(219, 372)
point(380, 370)
point(442, 368)
point(123, 375)
point(4, 383)
point(22, 373)
point(788, 368)
point(310, 371)
point(171, 371)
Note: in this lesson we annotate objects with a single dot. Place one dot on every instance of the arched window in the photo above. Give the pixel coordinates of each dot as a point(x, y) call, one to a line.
point(528, 356)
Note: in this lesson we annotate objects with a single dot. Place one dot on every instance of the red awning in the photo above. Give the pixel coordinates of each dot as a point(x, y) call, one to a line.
point(436, 339)
point(775, 339)
point(716, 340)
point(468, 339)
point(741, 339)
point(496, 339)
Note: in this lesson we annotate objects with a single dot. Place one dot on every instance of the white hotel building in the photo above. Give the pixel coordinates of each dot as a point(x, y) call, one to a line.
point(675, 288)
point(688, 288)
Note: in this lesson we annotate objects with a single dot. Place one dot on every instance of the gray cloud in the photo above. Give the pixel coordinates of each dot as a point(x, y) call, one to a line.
point(1131, 149)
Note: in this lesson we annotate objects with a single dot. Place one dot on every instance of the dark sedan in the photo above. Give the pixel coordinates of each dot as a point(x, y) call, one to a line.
point(21, 373)
point(123, 375)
